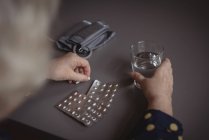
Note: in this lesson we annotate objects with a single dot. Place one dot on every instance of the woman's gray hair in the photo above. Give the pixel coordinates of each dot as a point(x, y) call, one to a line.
point(24, 48)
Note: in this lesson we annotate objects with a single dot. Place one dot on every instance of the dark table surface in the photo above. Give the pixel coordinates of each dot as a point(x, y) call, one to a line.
point(182, 27)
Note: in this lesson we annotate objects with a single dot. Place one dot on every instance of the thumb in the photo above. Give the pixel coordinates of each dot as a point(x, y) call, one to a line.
point(137, 76)
point(79, 77)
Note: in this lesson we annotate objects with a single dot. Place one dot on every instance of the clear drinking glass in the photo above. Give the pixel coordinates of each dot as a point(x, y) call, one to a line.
point(146, 57)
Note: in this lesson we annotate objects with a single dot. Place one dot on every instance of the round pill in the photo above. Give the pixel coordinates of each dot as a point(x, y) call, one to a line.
point(97, 98)
point(75, 99)
point(89, 108)
point(84, 97)
point(110, 100)
point(75, 93)
point(113, 95)
point(73, 112)
point(70, 97)
point(106, 95)
point(116, 85)
point(78, 108)
point(88, 122)
point(64, 107)
point(93, 92)
point(95, 88)
point(90, 96)
point(89, 100)
point(69, 103)
point(110, 85)
point(83, 119)
point(69, 110)
point(100, 107)
point(60, 105)
point(79, 101)
point(108, 105)
point(94, 104)
point(99, 115)
point(65, 101)
point(80, 95)
point(94, 119)
point(108, 90)
point(102, 90)
point(104, 85)
point(104, 110)
point(115, 90)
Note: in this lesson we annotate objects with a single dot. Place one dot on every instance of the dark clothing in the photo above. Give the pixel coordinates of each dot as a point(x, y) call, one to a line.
point(157, 125)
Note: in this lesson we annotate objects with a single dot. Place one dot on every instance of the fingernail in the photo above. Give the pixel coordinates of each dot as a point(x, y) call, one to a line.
point(89, 78)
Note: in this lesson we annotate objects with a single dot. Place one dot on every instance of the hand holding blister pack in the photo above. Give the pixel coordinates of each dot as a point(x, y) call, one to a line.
point(89, 108)
point(85, 37)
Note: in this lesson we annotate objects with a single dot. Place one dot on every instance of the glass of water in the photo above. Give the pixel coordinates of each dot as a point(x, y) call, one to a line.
point(146, 57)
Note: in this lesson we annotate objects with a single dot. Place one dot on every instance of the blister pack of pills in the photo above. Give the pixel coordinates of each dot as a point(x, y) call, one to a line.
point(89, 108)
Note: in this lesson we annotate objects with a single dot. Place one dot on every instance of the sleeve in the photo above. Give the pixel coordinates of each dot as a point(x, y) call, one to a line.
point(157, 125)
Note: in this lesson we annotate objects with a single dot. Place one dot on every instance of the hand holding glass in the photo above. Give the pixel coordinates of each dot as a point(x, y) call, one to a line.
point(146, 57)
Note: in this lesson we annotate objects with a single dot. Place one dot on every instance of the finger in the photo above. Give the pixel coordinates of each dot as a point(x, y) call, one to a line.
point(76, 70)
point(164, 67)
point(84, 64)
point(137, 76)
point(79, 77)
point(81, 70)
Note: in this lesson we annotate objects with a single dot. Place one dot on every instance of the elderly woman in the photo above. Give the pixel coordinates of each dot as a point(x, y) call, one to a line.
point(25, 64)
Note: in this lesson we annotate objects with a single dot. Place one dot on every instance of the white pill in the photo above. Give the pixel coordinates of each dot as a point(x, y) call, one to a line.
point(108, 105)
point(94, 119)
point(65, 101)
point(83, 119)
